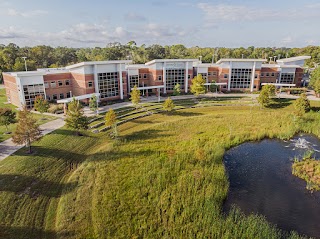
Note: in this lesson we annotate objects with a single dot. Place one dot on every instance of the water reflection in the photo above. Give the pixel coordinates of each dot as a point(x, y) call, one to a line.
point(261, 182)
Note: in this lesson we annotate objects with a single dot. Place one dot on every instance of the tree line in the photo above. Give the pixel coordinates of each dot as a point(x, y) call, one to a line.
point(46, 56)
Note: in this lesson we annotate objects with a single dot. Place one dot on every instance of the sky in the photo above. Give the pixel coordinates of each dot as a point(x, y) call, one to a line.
point(95, 23)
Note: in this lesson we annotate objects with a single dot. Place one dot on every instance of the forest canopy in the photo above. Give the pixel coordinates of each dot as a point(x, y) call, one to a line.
point(47, 56)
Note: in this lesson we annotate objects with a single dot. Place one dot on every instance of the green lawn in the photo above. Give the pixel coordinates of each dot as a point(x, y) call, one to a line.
point(3, 99)
point(164, 177)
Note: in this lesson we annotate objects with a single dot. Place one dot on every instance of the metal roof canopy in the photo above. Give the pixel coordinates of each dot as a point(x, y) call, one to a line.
point(278, 84)
point(149, 87)
point(81, 97)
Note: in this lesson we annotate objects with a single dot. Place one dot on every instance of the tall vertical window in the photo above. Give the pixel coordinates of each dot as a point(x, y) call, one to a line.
point(174, 77)
point(31, 92)
point(133, 80)
point(108, 84)
point(240, 78)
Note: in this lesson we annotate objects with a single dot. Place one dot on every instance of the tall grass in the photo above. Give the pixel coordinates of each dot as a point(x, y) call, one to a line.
point(164, 178)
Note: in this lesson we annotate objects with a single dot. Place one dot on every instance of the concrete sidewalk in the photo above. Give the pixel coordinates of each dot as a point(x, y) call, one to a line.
point(8, 147)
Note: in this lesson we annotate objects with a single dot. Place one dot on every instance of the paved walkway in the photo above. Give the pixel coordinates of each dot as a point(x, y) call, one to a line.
point(7, 147)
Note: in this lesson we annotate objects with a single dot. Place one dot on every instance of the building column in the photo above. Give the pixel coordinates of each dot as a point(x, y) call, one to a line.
point(186, 78)
point(95, 79)
point(230, 72)
point(121, 83)
point(253, 76)
point(164, 76)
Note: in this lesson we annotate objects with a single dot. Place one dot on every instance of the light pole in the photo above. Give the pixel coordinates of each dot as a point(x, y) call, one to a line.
point(25, 62)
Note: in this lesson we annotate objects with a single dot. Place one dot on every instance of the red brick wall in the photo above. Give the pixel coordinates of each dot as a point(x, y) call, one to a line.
point(12, 92)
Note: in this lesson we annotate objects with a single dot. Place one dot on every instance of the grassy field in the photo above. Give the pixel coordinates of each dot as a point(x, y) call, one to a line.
point(163, 178)
point(3, 99)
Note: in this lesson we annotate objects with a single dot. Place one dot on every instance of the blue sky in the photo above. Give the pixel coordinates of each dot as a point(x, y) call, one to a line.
point(192, 23)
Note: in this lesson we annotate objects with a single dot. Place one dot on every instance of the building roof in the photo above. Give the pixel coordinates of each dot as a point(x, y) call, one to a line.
point(270, 65)
point(136, 66)
point(90, 63)
point(170, 60)
point(240, 60)
point(297, 58)
point(26, 73)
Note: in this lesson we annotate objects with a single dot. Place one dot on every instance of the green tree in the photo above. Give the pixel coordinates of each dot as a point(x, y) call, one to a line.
point(315, 80)
point(213, 87)
point(265, 95)
point(111, 121)
point(135, 96)
point(27, 129)
point(197, 85)
point(168, 105)
point(75, 118)
point(177, 89)
point(93, 104)
point(301, 105)
point(7, 117)
point(41, 105)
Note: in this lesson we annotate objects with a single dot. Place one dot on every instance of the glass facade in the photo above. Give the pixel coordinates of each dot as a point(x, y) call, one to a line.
point(287, 78)
point(174, 77)
point(108, 84)
point(240, 78)
point(31, 92)
point(133, 80)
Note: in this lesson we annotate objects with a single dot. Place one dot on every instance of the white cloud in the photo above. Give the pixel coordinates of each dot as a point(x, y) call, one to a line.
point(215, 14)
point(34, 13)
point(131, 16)
point(11, 33)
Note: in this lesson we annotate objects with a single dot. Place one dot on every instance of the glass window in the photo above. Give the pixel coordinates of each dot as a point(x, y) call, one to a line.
point(59, 83)
point(145, 76)
point(240, 78)
point(67, 82)
point(159, 78)
point(61, 96)
point(262, 74)
point(174, 77)
point(68, 94)
point(225, 76)
point(272, 74)
point(267, 74)
point(54, 97)
point(46, 85)
point(133, 81)
point(31, 92)
point(52, 84)
point(90, 84)
point(287, 78)
point(108, 84)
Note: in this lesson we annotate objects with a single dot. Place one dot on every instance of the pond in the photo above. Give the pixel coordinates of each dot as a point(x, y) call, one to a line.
point(261, 182)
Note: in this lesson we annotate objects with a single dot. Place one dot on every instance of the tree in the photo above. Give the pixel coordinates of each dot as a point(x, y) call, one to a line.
point(7, 117)
point(135, 96)
point(177, 89)
point(265, 95)
point(197, 85)
point(302, 105)
point(75, 118)
point(111, 121)
point(213, 87)
point(93, 104)
point(168, 105)
point(41, 104)
point(27, 129)
point(315, 80)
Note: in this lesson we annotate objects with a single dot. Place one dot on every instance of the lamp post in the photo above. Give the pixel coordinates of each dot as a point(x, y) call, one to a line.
point(25, 62)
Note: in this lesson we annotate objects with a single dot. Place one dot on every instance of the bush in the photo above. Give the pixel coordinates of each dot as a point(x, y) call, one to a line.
point(55, 108)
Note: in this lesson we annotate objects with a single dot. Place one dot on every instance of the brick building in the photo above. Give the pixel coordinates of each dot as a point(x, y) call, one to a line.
point(113, 80)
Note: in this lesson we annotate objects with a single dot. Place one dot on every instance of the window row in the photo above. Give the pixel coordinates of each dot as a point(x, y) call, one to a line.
point(212, 73)
point(59, 96)
point(58, 83)
point(269, 74)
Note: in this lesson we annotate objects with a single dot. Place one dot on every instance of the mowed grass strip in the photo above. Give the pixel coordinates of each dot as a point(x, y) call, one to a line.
point(163, 178)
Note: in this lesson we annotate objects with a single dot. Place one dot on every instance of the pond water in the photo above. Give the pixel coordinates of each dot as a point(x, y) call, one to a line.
point(261, 182)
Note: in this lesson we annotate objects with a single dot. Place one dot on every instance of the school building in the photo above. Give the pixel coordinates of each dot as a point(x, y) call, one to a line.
point(113, 80)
